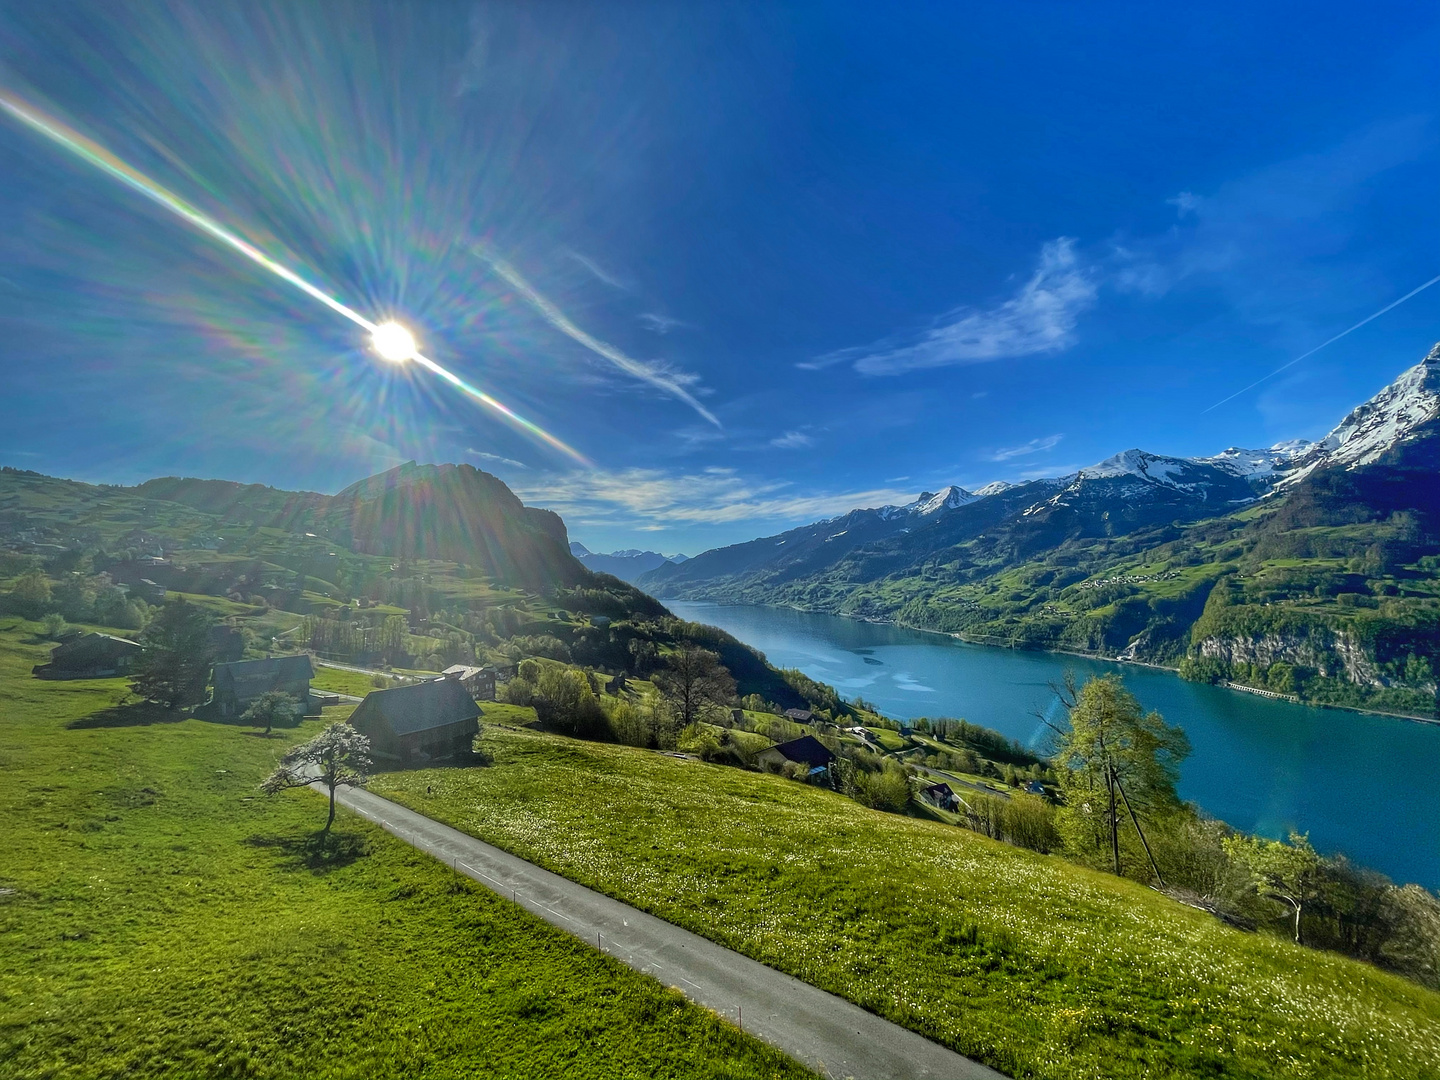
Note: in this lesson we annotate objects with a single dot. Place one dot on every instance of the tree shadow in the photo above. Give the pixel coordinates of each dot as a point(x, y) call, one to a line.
point(134, 714)
point(317, 852)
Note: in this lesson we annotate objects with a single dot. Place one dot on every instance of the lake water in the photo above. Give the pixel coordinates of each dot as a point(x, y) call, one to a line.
point(1368, 786)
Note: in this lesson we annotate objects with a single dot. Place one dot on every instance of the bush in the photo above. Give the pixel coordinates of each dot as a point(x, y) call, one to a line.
point(53, 625)
point(888, 789)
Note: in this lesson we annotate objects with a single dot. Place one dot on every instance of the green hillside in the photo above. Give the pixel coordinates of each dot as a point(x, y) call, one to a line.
point(1030, 963)
point(159, 918)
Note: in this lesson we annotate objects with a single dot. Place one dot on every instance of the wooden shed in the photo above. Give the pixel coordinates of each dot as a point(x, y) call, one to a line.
point(424, 721)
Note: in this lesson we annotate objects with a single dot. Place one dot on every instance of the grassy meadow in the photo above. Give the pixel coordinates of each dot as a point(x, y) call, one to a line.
point(160, 918)
point(1029, 963)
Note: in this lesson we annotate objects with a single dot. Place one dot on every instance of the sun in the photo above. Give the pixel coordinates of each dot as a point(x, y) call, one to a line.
point(393, 342)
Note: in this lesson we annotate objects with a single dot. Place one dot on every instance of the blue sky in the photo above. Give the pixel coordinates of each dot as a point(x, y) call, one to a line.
point(759, 264)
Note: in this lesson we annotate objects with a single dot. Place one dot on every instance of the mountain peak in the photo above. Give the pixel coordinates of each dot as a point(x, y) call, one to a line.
point(1372, 429)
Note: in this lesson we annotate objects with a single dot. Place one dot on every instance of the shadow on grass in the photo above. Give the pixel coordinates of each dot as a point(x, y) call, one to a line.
point(317, 852)
point(476, 759)
point(134, 714)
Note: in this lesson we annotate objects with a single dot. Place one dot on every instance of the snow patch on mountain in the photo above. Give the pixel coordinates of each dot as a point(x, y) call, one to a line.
point(1258, 464)
point(995, 487)
point(930, 502)
point(1371, 429)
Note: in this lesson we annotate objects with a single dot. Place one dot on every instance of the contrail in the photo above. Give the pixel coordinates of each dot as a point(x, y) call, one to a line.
point(1337, 337)
point(557, 318)
point(92, 152)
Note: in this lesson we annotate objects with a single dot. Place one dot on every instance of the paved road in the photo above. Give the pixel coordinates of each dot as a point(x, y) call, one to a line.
point(830, 1035)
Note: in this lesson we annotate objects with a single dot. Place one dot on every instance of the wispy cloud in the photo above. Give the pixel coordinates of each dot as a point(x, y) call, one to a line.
point(606, 277)
point(1034, 446)
point(660, 324)
point(714, 496)
point(792, 440)
point(486, 456)
point(659, 376)
point(1040, 318)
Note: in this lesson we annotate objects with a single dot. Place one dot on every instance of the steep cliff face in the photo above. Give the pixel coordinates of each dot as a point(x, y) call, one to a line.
point(1328, 653)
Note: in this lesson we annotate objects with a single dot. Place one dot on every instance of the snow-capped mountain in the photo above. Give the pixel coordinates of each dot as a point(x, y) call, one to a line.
point(627, 564)
point(931, 502)
point(1259, 464)
point(1390, 418)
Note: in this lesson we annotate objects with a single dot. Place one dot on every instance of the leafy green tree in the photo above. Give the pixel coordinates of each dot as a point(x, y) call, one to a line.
point(1116, 761)
point(175, 665)
point(1291, 874)
point(695, 683)
point(271, 708)
point(31, 593)
point(338, 755)
point(53, 625)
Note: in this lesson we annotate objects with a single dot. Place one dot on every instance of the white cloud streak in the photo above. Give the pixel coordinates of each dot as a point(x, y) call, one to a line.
point(602, 275)
point(1034, 446)
point(487, 456)
point(793, 440)
point(663, 379)
point(659, 324)
point(636, 497)
point(1040, 318)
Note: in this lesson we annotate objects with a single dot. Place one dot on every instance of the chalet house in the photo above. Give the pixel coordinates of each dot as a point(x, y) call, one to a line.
point(90, 656)
point(600, 622)
point(239, 683)
point(1033, 787)
point(940, 795)
point(478, 681)
point(800, 716)
point(806, 750)
point(436, 719)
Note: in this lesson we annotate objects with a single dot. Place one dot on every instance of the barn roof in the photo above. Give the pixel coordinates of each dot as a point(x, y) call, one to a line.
point(257, 676)
point(419, 707)
point(807, 749)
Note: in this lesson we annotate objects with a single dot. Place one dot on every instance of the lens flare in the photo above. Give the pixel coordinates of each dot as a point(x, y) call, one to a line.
point(385, 337)
point(393, 342)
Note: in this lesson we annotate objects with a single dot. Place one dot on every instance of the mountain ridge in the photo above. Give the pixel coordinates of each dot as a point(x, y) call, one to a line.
point(1342, 536)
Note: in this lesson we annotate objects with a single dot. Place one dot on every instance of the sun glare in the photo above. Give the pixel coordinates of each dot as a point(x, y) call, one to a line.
point(393, 342)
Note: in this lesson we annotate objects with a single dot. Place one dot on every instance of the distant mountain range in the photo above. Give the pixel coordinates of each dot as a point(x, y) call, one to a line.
point(627, 565)
point(1022, 562)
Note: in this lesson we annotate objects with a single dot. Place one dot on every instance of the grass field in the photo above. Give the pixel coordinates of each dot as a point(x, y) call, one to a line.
point(159, 918)
point(1029, 963)
point(339, 681)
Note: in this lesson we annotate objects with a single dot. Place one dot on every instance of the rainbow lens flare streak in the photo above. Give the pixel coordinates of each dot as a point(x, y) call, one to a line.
point(92, 152)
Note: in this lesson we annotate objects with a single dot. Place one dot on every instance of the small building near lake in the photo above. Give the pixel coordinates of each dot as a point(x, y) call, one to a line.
point(239, 683)
point(422, 722)
point(91, 656)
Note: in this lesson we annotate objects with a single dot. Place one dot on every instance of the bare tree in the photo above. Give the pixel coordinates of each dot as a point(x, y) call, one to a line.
point(338, 755)
point(694, 681)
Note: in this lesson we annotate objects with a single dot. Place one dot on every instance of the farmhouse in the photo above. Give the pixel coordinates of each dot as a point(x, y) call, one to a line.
point(800, 716)
point(436, 719)
point(806, 750)
point(940, 795)
point(238, 684)
point(90, 656)
point(479, 681)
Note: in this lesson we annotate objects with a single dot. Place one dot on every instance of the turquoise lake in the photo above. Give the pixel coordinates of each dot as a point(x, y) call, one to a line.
point(1364, 785)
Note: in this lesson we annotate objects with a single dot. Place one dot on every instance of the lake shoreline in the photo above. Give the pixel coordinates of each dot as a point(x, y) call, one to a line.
point(957, 636)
